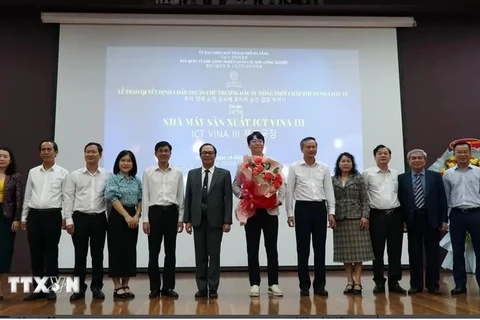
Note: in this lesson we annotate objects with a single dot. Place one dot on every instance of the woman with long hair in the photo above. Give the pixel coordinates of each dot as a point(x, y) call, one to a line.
point(11, 201)
point(351, 237)
point(124, 192)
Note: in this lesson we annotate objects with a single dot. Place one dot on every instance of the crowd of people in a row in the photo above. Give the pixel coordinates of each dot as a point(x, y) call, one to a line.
point(367, 211)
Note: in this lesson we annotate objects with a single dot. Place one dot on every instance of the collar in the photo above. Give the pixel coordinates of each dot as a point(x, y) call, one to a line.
point(302, 162)
point(470, 166)
point(211, 169)
point(422, 173)
point(54, 168)
point(377, 169)
point(168, 169)
point(85, 170)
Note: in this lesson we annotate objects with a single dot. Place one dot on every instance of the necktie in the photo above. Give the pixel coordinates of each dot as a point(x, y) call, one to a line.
point(205, 187)
point(418, 192)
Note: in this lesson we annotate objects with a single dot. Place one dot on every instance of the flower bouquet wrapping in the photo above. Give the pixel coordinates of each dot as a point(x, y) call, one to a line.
point(260, 178)
point(442, 164)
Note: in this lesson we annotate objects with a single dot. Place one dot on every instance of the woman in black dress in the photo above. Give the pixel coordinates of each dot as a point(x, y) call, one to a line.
point(124, 191)
point(11, 198)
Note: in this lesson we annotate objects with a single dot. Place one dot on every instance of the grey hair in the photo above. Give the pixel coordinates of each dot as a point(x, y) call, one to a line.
point(409, 154)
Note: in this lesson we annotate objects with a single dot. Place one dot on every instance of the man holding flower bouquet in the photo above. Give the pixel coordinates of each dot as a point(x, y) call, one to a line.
point(259, 186)
point(310, 186)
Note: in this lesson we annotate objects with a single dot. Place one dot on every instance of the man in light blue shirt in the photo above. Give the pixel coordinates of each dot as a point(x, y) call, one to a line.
point(462, 186)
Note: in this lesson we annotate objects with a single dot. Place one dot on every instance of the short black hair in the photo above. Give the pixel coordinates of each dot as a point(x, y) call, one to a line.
point(307, 139)
point(162, 144)
point(123, 153)
point(96, 144)
point(208, 144)
point(338, 171)
point(381, 146)
point(55, 146)
point(462, 143)
point(254, 134)
point(12, 167)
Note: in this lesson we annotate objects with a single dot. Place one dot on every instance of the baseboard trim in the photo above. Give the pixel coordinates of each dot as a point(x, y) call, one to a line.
point(233, 269)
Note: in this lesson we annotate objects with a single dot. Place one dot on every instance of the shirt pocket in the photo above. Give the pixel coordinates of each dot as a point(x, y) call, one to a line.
point(56, 184)
point(100, 186)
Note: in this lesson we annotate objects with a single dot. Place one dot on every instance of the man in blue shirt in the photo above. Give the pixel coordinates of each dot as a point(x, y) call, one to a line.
point(462, 185)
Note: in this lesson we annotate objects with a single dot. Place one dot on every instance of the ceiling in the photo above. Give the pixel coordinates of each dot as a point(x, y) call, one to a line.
point(457, 9)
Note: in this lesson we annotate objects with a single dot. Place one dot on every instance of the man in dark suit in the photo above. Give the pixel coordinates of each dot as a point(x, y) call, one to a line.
point(424, 204)
point(208, 209)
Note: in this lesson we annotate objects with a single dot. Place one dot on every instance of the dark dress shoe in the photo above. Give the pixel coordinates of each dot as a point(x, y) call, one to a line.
point(34, 296)
point(77, 296)
point(170, 293)
point(304, 293)
point(213, 294)
point(51, 296)
point(321, 292)
point(379, 288)
point(128, 294)
point(98, 294)
point(414, 290)
point(201, 294)
point(396, 288)
point(434, 291)
point(154, 294)
point(458, 290)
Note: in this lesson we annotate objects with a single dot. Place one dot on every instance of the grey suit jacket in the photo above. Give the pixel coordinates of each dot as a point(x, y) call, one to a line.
point(351, 199)
point(220, 198)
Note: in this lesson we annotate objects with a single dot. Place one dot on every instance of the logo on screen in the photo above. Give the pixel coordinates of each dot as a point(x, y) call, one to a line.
point(234, 82)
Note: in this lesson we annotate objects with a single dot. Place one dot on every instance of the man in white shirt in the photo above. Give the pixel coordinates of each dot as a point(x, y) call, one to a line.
point(310, 185)
point(386, 220)
point(163, 199)
point(265, 220)
point(86, 220)
point(42, 215)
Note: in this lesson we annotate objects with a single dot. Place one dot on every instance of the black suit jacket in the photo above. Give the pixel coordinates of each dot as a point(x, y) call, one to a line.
point(435, 197)
point(220, 198)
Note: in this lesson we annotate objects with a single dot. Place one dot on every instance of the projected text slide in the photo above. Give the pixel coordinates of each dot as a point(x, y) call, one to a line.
point(189, 96)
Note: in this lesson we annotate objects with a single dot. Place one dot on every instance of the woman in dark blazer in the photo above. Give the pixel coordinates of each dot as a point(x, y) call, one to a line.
point(11, 199)
point(351, 237)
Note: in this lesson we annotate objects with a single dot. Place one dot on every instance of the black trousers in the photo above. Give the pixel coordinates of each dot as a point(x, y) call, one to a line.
point(311, 223)
point(163, 227)
point(89, 230)
point(387, 226)
point(421, 235)
point(208, 242)
point(44, 228)
point(461, 222)
point(253, 230)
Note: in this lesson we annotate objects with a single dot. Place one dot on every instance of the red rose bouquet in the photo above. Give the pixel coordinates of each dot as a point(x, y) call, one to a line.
point(260, 178)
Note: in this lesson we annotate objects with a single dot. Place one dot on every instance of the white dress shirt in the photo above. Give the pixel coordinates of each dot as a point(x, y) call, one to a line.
point(162, 188)
point(210, 175)
point(382, 188)
point(309, 183)
point(84, 192)
point(44, 189)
